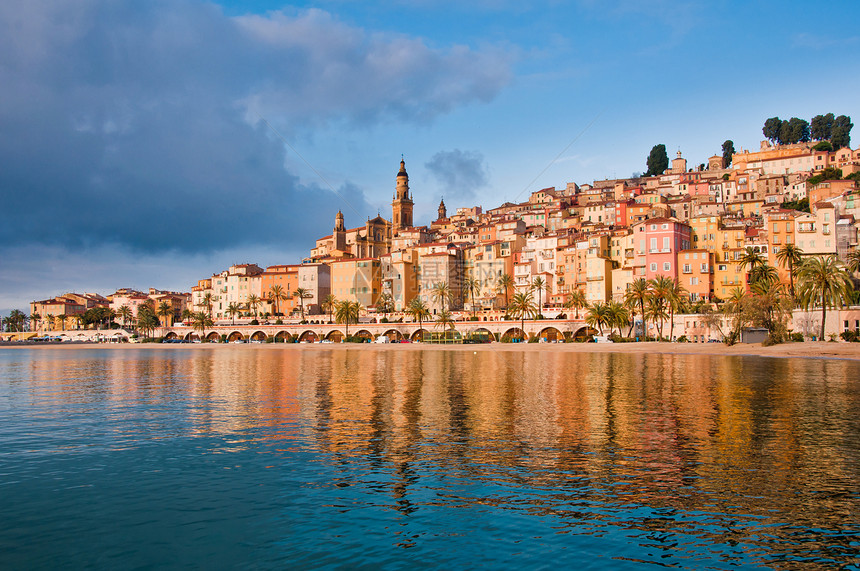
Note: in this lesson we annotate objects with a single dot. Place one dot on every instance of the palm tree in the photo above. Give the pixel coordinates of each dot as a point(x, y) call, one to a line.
point(418, 310)
point(207, 303)
point(750, 260)
point(734, 306)
point(328, 305)
point(617, 316)
point(302, 293)
point(661, 292)
point(61, 317)
point(791, 256)
point(539, 284)
point(504, 284)
point(384, 303)
point(187, 314)
point(232, 309)
point(576, 301)
point(598, 315)
point(445, 320)
point(853, 261)
point(522, 306)
point(165, 310)
point(146, 319)
point(200, 321)
point(823, 280)
point(472, 285)
point(638, 294)
point(50, 321)
point(34, 320)
point(656, 311)
point(125, 313)
point(277, 295)
point(253, 303)
point(675, 301)
point(441, 292)
point(346, 312)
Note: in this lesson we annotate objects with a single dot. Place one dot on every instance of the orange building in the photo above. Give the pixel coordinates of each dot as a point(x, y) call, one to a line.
point(285, 276)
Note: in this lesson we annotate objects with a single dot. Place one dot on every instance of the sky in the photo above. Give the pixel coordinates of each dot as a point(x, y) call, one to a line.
point(152, 144)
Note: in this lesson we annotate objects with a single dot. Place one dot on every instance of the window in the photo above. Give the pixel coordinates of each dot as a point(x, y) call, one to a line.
point(667, 266)
point(665, 242)
point(653, 266)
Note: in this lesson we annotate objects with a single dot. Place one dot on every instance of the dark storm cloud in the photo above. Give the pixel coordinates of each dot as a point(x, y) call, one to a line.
point(137, 123)
point(460, 173)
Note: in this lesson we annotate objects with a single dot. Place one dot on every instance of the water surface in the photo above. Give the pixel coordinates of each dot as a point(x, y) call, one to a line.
point(391, 458)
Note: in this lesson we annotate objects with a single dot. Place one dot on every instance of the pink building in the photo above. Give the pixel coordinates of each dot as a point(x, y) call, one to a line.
point(657, 242)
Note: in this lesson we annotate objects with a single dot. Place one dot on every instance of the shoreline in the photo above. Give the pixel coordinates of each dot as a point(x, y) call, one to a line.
point(807, 349)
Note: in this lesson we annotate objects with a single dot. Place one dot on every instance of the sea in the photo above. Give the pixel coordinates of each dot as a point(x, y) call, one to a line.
point(402, 457)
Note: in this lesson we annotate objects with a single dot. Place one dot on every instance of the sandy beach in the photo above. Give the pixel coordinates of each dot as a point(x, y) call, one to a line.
point(811, 349)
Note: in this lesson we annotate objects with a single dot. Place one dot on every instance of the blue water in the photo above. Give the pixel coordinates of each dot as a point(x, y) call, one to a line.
point(392, 458)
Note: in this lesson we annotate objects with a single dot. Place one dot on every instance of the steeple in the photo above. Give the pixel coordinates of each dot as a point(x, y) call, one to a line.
point(443, 212)
point(338, 222)
point(401, 206)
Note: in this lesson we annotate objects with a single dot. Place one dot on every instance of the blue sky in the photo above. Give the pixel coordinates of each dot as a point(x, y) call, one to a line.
point(133, 151)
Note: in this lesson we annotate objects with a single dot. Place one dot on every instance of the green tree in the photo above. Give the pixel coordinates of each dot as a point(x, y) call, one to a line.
point(472, 285)
point(347, 312)
point(445, 320)
point(830, 173)
point(206, 302)
point(522, 306)
point(597, 316)
point(441, 293)
point(328, 305)
point(823, 146)
point(790, 256)
point(617, 316)
point(771, 129)
point(232, 309)
point(675, 302)
point(853, 261)
point(539, 285)
point(661, 289)
point(504, 285)
point(187, 314)
point(749, 261)
point(200, 321)
point(125, 313)
point(34, 320)
point(165, 310)
point(658, 160)
point(147, 321)
point(728, 151)
point(253, 303)
point(302, 293)
point(277, 295)
point(821, 127)
point(385, 303)
point(798, 130)
point(418, 310)
point(824, 282)
point(576, 301)
point(638, 294)
point(841, 136)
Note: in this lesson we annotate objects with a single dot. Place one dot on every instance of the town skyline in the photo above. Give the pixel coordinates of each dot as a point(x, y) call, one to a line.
point(147, 185)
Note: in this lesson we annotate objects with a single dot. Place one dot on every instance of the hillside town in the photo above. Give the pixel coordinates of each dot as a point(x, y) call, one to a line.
point(712, 230)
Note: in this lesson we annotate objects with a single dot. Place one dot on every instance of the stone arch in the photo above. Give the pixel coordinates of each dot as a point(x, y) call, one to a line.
point(482, 333)
point(191, 336)
point(235, 336)
point(584, 332)
point(258, 336)
point(308, 337)
point(171, 335)
point(418, 334)
point(214, 336)
point(551, 334)
point(393, 335)
point(514, 333)
point(283, 337)
point(364, 334)
point(335, 335)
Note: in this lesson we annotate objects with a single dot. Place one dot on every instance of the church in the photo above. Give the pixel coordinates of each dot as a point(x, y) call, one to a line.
point(375, 238)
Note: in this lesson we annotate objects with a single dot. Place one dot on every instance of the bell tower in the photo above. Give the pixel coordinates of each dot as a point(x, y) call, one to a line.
point(401, 206)
point(443, 212)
